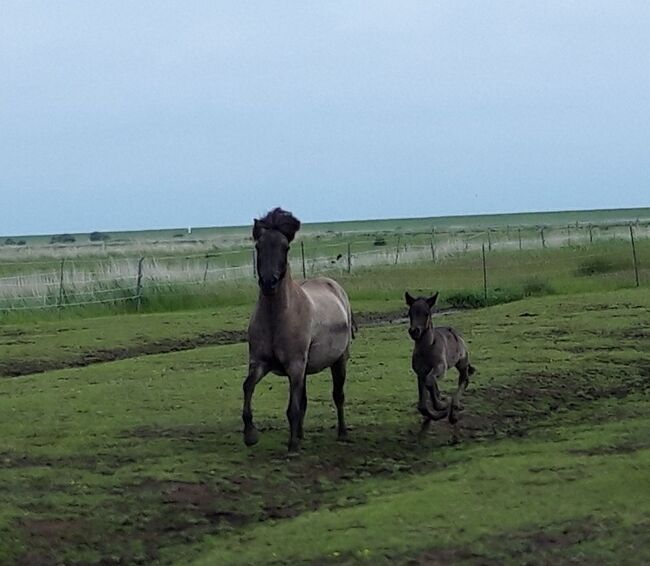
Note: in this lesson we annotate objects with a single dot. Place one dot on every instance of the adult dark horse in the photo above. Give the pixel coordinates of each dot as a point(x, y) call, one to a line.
point(296, 329)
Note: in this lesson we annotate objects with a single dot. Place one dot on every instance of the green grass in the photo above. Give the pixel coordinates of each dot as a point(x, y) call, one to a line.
point(141, 460)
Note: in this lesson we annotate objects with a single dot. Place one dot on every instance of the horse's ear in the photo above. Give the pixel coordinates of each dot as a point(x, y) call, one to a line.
point(257, 229)
point(432, 300)
point(409, 300)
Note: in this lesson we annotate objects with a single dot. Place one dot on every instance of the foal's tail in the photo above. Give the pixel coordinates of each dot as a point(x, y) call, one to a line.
point(471, 370)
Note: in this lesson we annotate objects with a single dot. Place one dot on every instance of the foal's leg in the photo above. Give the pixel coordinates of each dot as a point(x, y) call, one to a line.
point(255, 373)
point(297, 396)
point(463, 382)
point(423, 388)
point(339, 372)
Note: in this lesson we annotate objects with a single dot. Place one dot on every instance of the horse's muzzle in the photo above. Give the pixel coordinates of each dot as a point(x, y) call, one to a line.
point(268, 285)
point(415, 333)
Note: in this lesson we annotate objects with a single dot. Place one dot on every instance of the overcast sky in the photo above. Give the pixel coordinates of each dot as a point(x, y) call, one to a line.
point(126, 115)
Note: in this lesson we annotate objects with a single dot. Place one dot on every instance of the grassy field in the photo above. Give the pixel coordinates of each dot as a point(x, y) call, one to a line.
point(141, 460)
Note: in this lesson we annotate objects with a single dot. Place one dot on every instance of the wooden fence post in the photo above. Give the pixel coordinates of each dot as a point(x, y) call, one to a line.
point(349, 257)
point(489, 241)
point(568, 234)
point(302, 252)
point(591, 235)
point(61, 289)
point(205, 271)
point(485, 296)
point(636, 266)
point(399, 237)
point(138, 286)
point(543, 239)
point(519, 234)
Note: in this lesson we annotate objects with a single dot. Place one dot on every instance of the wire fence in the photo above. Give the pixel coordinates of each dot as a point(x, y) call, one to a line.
point(75, 282)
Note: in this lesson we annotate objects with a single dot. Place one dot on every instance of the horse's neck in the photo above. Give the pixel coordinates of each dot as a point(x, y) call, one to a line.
point(428, 338)
point(279, 304)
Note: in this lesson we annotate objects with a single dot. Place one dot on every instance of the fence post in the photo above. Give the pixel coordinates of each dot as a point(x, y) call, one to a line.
point(349, 257)
point(302, 253)
point(568, 234)
point(636, 266)
point(489, 241)
point(519, 234)
point(399, 237)
point(61, 289)
point(543, 239)
point(433, 244)
point(138, 286)
point(485, 298)
point(591, 235)
point(205, 271)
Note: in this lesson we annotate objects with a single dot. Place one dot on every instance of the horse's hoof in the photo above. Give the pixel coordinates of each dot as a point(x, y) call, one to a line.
point(251, 437)
point(453, 417)
point(343, 437)
point(294, 448)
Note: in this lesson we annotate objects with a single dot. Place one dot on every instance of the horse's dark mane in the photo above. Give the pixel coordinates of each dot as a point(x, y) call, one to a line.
point(278, 219)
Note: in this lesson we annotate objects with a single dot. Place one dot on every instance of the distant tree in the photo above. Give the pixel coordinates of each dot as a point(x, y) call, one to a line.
point(99, 237)
point(12, 242)
point(62, 239)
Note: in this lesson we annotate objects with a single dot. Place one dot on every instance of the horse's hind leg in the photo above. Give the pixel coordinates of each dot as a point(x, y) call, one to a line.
point(463, 382)
point(255, 373)
point(303, 409)
point(338, 381)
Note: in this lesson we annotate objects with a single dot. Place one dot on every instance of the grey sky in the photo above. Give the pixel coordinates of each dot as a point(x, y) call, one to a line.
point(154, 114)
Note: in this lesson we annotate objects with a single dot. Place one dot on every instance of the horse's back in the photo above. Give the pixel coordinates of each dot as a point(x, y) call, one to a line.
point(455, 347)
point(331, 322)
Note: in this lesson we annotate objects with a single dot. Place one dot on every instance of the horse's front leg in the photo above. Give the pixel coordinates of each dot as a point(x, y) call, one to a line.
point(297, 401)
point(256, 371)
point(431, 381)
point(423, 406)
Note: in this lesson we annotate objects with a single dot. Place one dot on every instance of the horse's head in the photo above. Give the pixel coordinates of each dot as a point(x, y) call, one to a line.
point(273, 235)
point(419, 314)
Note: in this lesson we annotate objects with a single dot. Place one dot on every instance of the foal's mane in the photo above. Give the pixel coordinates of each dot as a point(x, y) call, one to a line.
point(277, 219)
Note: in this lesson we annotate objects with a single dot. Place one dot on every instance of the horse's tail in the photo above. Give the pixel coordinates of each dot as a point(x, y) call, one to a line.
point(353, 327)
point(471, 370)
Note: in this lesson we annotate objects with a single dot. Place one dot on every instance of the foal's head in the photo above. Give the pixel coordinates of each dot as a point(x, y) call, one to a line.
point(419, 313)
point(272, 234)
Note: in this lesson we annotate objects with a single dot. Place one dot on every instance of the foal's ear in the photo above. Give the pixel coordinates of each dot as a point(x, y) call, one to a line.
point(432, 300)
point(409, 300)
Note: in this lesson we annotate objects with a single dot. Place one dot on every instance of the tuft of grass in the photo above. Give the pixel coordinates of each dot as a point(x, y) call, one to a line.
point(536, 286)
point(596, 265)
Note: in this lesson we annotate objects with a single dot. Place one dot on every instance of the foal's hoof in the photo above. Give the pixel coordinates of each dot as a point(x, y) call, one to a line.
point(293, 449)
point(251, 437)
point(453, 415)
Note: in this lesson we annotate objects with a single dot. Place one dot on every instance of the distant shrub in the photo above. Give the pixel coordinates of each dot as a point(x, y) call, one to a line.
point(465, 300)
point(536, 286)
point(379, 241)
point(594, 265)
point(62, 239)
point(178, 236)
point(12, 242)
point(99, 237)
point(476, 299)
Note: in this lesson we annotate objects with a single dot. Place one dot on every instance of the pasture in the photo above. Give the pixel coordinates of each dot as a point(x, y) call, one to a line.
point(121, 430)
point(141, 460)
